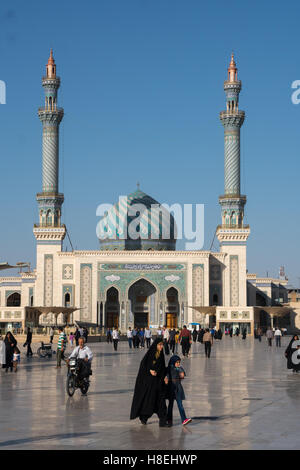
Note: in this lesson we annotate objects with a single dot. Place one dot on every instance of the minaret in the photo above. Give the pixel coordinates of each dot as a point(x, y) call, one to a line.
point(232, 202)
point(50, 199)
point(233, 233)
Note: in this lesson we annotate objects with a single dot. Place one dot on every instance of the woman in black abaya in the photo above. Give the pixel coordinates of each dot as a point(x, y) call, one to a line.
point(149, 392)
point(10, 344)
point(293, 362)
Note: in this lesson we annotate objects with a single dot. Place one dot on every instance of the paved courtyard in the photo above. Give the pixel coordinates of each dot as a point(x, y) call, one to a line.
point(243, 397)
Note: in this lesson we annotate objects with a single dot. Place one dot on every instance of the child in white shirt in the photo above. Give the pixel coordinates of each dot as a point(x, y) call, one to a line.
point(16, 358)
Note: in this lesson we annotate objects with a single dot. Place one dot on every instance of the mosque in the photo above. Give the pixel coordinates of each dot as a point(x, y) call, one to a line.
point(145, 281)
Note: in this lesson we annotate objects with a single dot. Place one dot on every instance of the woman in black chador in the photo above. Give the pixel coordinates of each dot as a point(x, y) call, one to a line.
point(10, 344)
point(293, 362)
point(149, 392)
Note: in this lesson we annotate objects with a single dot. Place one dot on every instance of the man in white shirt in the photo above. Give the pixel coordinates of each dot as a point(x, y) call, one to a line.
point(278, 335)
point(129, 337)
point(82, 351)
point(166, 336)
point(148, 336)
point(115, 337)
point(159, 332)
point(84, 355)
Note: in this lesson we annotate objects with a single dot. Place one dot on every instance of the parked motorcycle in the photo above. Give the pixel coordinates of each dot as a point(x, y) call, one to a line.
point(45, 350)
point(73, 379)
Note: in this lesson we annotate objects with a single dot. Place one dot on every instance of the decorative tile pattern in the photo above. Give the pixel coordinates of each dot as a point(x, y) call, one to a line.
point(67, 271)
point(48, 280)
point(234, 280)
point(122, 276)
point(198, 287)
point(86, 292)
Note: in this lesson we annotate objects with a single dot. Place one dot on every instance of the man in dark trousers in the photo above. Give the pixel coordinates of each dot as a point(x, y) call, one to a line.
point(77, 335)
point(185, 338)
point(28, 342)
point(208, 341)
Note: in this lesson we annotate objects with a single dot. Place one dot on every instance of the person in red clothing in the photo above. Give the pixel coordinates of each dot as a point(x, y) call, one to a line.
point(185, 339)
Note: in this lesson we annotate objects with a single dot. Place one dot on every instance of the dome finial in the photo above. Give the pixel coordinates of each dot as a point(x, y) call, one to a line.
point(51, 67)
point(138, 185)
point(232, 69)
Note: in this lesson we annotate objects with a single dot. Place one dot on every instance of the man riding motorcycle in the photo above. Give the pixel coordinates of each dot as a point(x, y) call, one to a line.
point(84, 356)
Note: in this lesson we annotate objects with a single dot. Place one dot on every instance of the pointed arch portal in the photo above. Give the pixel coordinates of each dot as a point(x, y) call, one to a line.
point(142, 297)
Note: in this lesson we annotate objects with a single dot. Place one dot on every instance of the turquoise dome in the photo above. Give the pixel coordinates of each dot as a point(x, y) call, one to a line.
point(145, 228)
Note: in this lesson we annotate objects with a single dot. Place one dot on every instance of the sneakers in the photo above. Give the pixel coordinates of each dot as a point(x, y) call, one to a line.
point(186, 421)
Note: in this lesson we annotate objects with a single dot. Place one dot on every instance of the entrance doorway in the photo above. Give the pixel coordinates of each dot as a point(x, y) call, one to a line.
point(112, 308)
point(172, 308)
point(142, 297)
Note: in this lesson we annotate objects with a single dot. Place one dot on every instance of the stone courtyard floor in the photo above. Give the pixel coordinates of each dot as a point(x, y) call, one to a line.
point(243, 397)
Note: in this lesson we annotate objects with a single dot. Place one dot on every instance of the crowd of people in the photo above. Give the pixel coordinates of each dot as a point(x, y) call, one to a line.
point(157, 386)
point(172, 338)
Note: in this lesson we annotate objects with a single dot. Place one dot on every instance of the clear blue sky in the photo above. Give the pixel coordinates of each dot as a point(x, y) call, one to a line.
point(142, 87)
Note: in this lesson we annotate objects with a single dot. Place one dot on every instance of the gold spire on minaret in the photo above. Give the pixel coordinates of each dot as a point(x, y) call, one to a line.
point(232, 70)
point(51, 67)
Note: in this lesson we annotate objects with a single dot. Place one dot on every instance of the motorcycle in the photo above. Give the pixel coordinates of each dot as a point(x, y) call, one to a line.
point(73, 379)
point(45, 350)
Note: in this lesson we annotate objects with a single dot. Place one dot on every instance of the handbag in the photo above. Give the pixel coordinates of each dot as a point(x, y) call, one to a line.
point(25, 344)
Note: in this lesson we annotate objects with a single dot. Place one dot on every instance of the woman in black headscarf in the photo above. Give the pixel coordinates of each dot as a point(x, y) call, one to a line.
point(10, 344)
point(293, 361)
point(149, 392)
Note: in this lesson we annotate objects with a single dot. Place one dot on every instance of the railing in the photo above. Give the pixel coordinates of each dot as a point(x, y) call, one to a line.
point(232, 113)
point(233, 196)
point(236, 82)
point(49, 225)
point(51, 109)
point(233, 226)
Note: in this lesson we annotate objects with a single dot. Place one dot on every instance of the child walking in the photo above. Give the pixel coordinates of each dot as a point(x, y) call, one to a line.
point(16, 358)
point(175, 376)
point(71, 338)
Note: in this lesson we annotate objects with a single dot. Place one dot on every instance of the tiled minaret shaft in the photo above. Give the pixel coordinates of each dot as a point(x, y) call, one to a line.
point(50, 200)
point(232, 202)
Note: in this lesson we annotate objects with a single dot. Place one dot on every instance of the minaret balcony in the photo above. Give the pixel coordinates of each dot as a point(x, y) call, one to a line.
point(233, 113)
point(55, 81)
point(240, 197)
point(51, 116)
point(51, 110)
point(232, 119)
point(233, 226)
point(229, 84)
point(49, 225)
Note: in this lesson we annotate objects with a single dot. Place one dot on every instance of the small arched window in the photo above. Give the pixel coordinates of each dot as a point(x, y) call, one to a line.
point(67, 299)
